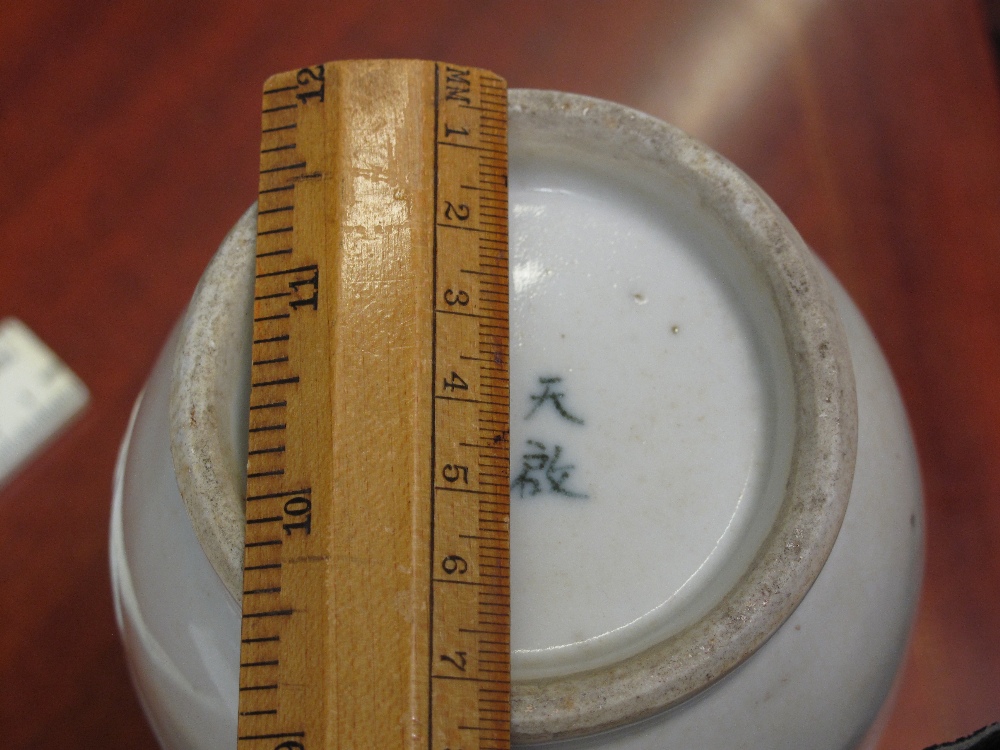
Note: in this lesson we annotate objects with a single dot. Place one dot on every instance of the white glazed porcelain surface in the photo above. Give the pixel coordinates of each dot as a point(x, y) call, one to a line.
point(714, 235)
point(689, 403)
point(669, 373)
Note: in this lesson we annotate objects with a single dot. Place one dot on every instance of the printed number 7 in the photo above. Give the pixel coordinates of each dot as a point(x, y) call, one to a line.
point(461, 658)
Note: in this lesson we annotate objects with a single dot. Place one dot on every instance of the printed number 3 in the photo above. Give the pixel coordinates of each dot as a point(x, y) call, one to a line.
point(452, 298)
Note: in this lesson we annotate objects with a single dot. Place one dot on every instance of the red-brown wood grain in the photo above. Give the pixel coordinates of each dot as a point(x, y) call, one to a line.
point(128, 146)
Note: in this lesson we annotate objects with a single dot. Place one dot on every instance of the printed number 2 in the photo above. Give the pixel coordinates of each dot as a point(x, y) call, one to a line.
point(460, 212)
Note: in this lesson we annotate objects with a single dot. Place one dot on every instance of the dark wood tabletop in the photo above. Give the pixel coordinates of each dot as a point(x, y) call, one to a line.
point(128, 146)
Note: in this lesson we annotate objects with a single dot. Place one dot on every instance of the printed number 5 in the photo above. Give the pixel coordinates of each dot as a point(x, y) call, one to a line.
point(452, 473)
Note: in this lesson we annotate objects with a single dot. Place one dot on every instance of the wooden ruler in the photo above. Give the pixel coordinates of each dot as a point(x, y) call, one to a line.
point(376, 597)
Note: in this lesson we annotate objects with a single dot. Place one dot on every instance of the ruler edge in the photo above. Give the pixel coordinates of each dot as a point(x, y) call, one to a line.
point(436, 69)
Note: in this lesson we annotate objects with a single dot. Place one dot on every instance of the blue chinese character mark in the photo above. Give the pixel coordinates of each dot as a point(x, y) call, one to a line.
point(541, 472)
point(549, 395)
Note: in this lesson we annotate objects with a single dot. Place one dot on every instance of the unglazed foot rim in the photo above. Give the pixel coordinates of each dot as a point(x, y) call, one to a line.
point(207, 369)
point(819, 481)
point(825, 445)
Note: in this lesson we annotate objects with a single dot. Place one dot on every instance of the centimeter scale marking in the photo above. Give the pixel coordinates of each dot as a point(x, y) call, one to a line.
point(376, 578)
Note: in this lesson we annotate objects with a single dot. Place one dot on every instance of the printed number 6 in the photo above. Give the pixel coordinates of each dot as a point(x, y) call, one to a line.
point(454, 564)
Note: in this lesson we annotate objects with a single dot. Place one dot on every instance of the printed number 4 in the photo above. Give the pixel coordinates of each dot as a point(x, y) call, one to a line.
point(456, 381)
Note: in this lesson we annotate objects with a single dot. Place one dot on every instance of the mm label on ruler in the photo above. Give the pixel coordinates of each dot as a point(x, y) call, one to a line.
point(39, 395)
point(376, 577)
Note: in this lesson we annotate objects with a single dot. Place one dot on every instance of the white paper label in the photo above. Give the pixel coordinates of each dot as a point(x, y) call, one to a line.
point(39, 395)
